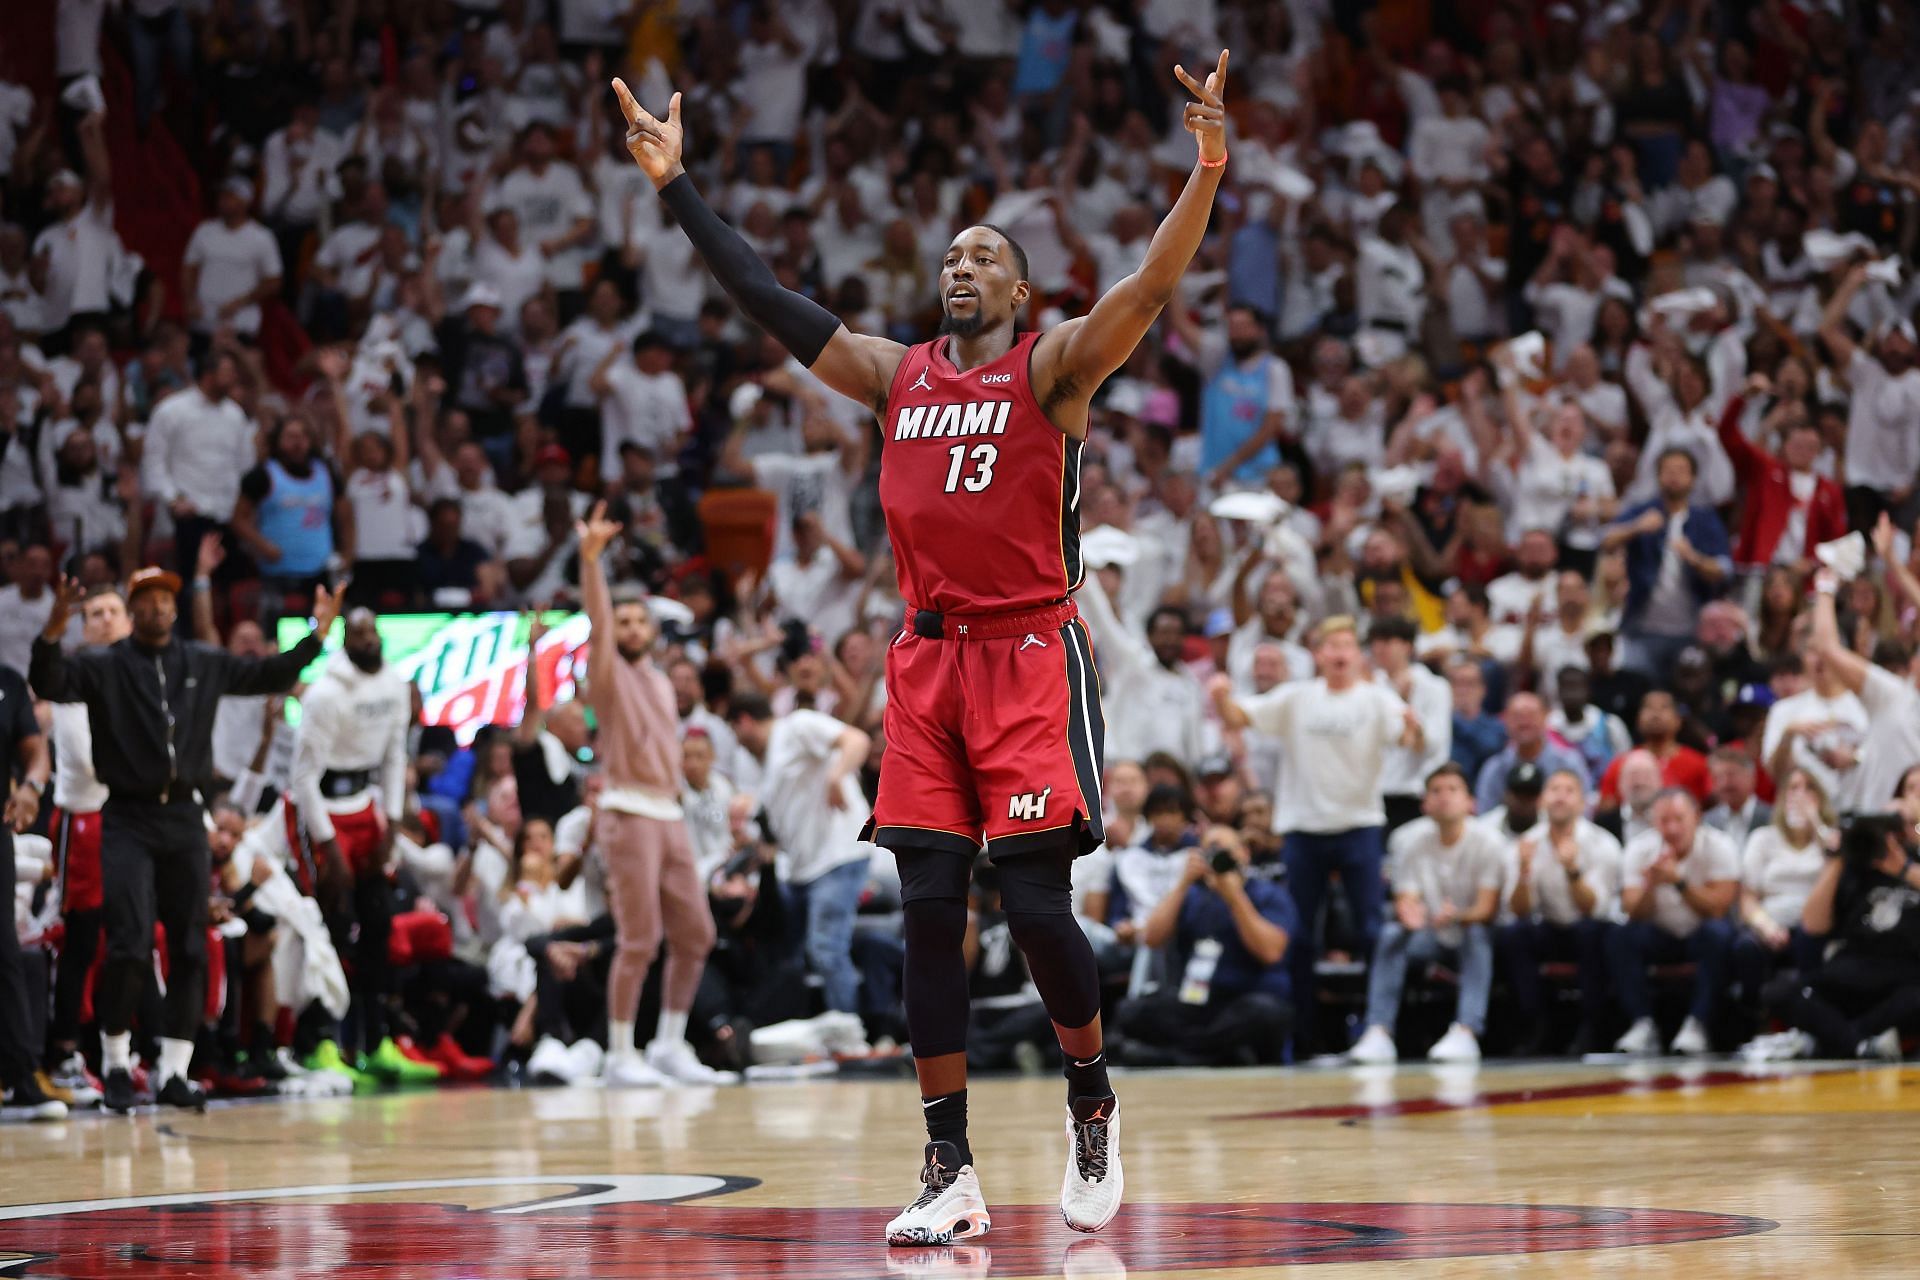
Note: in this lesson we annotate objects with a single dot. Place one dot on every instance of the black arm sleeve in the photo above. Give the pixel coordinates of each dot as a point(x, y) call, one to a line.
point(802, 325)
point(275, 674)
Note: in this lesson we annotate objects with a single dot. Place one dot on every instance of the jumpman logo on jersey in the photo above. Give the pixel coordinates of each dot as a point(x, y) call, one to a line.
point(921, 383)
point(1030, 641)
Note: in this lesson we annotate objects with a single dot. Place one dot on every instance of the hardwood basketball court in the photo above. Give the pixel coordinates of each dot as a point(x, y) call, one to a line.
point(1581, 1170)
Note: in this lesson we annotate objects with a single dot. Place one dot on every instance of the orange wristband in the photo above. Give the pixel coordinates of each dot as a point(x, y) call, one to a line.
point(1214, 164)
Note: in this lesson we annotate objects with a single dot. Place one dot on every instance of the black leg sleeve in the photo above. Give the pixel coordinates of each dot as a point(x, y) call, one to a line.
point(1036, 892)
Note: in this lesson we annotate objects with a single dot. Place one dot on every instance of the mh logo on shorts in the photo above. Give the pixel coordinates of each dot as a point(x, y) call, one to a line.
point(1029, 807)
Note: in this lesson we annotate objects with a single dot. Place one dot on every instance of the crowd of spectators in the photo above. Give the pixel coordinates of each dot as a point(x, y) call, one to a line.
point(1503, 566)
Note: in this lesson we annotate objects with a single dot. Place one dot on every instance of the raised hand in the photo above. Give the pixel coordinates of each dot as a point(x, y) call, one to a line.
point(67, 592)
point(653, 143)
point(210, 556)
point(596, 533)
point(326, 607)
point(1206, 119)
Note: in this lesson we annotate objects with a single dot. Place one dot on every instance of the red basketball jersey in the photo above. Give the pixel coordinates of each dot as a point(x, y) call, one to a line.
point(981, 492)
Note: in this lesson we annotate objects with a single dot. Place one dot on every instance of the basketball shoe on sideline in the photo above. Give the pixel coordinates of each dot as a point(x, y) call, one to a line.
point(951, 1208)
point(676, 1060)
point(1090, 1193)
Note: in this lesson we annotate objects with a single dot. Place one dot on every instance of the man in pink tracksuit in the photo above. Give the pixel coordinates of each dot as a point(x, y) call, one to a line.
point(652, 884)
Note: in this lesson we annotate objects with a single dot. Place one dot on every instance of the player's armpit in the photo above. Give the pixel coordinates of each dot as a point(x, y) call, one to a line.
point(860, 367)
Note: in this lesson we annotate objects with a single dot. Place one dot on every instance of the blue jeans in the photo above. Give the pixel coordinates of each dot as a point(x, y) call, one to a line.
point(828, 904)
point(1523, 944)
point(1310, 858)
point(1634, 945)
point(1400, 946)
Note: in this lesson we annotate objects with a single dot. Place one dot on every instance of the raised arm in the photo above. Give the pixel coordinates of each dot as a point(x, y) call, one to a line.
point(1074, 358)
point(1826, 640)
point(533, 716)
point(277, 674)
point(857, 366)
point(53, 674)
point(1833, 319)
point(594, 534)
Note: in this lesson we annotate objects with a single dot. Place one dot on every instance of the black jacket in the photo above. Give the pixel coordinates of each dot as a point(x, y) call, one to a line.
point(152, 709)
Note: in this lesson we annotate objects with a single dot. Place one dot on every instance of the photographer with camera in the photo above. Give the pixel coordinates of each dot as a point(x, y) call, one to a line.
point(1229, 933)
point(1867, 994)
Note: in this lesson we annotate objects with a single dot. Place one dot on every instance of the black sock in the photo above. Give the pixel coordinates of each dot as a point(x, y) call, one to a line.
point(1087, 1079)
point(946, 1118)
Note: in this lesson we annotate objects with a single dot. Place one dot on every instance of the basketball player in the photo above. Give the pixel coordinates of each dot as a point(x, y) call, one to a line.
point(993, 713)
point(349, 792)
point(78, 797)
point(653, 887)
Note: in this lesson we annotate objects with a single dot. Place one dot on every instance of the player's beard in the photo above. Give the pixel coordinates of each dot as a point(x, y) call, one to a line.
point(962, 326)
point(368, 660)
point(630, 656)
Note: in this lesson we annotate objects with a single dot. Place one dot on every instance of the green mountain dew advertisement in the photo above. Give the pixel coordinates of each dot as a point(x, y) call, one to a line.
point(470, 668)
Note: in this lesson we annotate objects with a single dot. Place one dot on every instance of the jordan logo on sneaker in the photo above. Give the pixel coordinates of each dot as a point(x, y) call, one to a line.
point(921, 383)
point(1031, 641)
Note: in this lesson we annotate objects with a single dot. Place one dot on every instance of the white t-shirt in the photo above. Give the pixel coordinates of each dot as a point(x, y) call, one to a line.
point(648, 409)
point(233, 263)
point(1892, 744)
point(1546, 487)
point(1597, 856)
point(547, 205)
point(516, 276)
point(1844, 711)
point(1511, 595)
point(1712, 859)
point(778, 80)
point(586, 345)
point(1333, 752)
point(793, 790)
point(382, 515)
point(20, 621)
point(80, 253)
point(1432, 700)
point(1442, 874)
point(817, 591)
point(1883, 448)
point(802, 483)
point(673, 279)
point(350, 253)
point(1780, 875)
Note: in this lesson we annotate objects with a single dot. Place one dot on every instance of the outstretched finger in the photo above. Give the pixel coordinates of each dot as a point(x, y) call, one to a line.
point(1217, 82)
point(629, 106)
point(673, 110)
point(1193, 86)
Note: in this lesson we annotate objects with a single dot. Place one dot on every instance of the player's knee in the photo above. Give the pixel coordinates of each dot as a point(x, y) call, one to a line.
point(1035, 886)
point(934, 923)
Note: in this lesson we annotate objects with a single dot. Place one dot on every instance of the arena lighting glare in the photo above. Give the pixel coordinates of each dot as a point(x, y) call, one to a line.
point(470, 668)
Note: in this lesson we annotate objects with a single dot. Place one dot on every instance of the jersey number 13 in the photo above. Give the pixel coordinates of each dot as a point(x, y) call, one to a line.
point(981, 475)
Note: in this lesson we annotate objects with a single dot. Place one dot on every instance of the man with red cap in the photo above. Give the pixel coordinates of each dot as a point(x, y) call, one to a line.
point(151, 698)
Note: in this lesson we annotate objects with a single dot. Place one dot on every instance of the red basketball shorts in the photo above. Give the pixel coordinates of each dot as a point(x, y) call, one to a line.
point(994, 734)
point(357, 833)
point(76, 841)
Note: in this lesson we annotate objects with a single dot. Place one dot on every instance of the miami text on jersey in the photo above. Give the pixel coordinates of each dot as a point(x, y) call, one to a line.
point(944, 421)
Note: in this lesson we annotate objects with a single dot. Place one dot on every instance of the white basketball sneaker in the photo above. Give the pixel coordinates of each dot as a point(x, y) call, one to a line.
point(630, 1071)
point(676, 1060)
point(1090, 1193)
point(950, 1208)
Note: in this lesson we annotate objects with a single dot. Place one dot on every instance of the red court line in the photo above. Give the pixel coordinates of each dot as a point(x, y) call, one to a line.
point(1506, 1097)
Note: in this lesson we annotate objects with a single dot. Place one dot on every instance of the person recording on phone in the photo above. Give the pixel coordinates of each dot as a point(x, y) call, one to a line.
point(1866, 995)
point(1228, 931)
